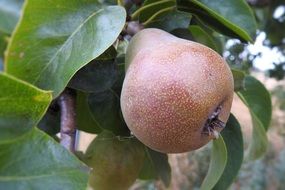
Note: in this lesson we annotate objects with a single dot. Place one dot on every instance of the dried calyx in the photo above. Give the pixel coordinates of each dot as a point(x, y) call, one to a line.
point(213, 123)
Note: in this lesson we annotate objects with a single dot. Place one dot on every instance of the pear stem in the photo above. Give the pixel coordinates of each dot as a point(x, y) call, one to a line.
point(67, 119)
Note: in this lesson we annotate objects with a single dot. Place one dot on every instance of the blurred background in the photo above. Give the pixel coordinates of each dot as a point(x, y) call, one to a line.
point(265, 59)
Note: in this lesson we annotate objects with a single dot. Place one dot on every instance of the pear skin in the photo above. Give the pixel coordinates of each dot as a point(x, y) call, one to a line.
point(115, 162)
point(177, 94)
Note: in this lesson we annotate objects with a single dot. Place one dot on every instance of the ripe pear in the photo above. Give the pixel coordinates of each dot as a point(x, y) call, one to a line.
point(177, 94)
point(115, 162)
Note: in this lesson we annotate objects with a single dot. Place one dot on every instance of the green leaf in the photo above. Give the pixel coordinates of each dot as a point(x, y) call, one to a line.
point(105, 109)
point(232, 137)
point(147, 2)
point(259, 141)
point(95, 77)
point(217, 164)
point(121, 48)
point(150, 8)
point(202, 37)
point(218, 39)
point(156, 166)
point(10, 11)
point(117, 87)
point(183, 33)
point(99, 75)
point(21, 106)
point(233, 17)
point(257, 99)
point(169, 20)
point(54, 39)
point(148, 171)
point(3, 44)
point(84, 117)
point(36, 161)
point(239, 76)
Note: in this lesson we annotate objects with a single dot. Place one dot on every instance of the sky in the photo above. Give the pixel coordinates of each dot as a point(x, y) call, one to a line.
point(268, 55)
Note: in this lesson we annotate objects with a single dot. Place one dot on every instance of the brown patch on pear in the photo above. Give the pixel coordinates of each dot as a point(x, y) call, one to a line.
point(171, 89)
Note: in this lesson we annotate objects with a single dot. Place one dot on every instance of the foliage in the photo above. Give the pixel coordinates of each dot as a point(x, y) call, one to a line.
point(271, 23)
point(80, 45)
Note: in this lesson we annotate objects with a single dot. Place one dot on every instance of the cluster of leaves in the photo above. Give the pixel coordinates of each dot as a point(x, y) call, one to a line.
point(270, 17)
point(275, 34)
point(78, 44)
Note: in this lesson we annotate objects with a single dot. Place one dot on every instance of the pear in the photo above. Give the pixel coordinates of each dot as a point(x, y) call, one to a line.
point(177, 94)
point(115, 162)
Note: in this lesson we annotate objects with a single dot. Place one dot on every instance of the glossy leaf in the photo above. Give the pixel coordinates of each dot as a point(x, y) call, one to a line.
point(36, 161)
point(84, 118)
point(202, 37)
point(10, 11)
point(21, 106)
point(56, 38)
point(218, 39)
point(232, 137)
point(233, 17)
point(257, 99)
point(105, 108)
point(239, 76)
point(183, 33)
point(169, 20)
point(95, 77)
point(156, 166)
point(150, 8)
point(217, 164)
point(99, 75)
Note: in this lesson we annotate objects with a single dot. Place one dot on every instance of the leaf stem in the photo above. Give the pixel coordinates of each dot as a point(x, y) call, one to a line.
point(67, 119)
point(120, 2)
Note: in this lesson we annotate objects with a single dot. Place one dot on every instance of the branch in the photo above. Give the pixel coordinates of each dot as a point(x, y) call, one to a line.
point(67, 119)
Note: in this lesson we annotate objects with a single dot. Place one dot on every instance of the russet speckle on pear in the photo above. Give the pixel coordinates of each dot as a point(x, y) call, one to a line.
point(172, 86)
